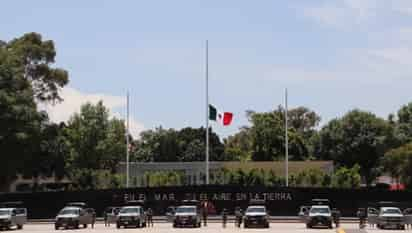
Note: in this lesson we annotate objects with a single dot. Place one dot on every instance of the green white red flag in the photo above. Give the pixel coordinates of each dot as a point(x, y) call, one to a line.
point(225, 118)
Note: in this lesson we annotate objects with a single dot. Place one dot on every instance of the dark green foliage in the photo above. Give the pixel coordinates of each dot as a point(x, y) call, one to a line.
point(187, 144)
point(357, 138)
point(25, 76)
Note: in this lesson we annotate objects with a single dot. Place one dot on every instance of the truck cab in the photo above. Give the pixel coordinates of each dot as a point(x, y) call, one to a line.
point(73, 215)
point(12, 217)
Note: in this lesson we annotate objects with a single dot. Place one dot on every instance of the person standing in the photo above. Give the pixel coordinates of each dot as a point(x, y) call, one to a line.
point(150, 217)
point(205, 211)
point(361, 213)
point(93, 217)
point(336, 216)
point(224, 217)
point(106, 222)
point(239, 216)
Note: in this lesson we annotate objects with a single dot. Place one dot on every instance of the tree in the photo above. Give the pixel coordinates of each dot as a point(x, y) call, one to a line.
point(48, 153)
point(25, 75)
point(404, 123)
point(303, 120)
point(186, 145)
point(398, 162)
point(357, 138)
point(35, 58)
point(238, 147)
point(395, 159)
point(347, 177)
point(267, 134)
point(97, 144)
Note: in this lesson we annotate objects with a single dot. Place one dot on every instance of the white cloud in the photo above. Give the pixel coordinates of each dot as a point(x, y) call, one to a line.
point(405, 34)
point(328, 15)
point(291, 73)
point(402, 6)
point(401, 56)
point(342, 13)
point(73, 99)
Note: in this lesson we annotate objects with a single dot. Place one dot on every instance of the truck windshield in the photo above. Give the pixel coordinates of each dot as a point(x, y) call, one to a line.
point(186, 210)
point(69, 211)
point(391, 211)
point(255, 210)
point(129, 210)
point(319, 211)
point(4, 212)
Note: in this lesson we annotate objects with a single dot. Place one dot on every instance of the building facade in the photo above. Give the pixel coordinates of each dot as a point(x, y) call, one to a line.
point(194, 172)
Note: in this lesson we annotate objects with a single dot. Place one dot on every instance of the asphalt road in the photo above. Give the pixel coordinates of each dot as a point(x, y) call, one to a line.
point(211, 228)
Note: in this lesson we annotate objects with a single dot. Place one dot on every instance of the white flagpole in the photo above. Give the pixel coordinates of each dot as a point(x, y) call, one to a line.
point(286, 140)
point(127, 140)
point(207, 112)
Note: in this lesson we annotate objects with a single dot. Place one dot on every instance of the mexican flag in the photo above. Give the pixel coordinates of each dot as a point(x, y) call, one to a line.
point(225, 118)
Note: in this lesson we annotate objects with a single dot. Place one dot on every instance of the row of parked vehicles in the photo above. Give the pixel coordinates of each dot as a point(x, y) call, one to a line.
point(189, 214)
point(381, 214)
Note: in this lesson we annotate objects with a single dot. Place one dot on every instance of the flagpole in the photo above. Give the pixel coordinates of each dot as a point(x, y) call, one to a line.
point(286, 140)
point(207, 113)
point(127, 140)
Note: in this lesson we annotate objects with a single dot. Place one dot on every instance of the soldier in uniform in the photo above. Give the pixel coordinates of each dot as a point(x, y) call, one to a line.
point(205, 210)
point(149, 217)
point(336, 216)
point(361, 213)
point(106, 222)
point(93, 218)
point(224, 217)
point(239, 216)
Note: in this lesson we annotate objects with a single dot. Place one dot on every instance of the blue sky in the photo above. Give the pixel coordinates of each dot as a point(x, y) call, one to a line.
point(332, 56)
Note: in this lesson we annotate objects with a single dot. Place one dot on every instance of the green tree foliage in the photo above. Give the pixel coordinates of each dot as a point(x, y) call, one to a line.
point(48, 153)
point(404, 123)
point(96, 143)
point(398, 162)
point(357, 138)
point(26, 75)
point(161, 179)
point(267, 133)
point(35, 58)
point(347, 177)
point(170, 145)
point(238, 147)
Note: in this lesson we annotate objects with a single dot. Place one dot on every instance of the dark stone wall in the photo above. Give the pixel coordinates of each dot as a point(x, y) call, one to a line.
point(280, 201)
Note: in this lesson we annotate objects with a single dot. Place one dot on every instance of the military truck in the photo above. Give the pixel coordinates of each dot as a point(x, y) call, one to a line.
point(187, 214)
point(73, 215)
point(12, 215)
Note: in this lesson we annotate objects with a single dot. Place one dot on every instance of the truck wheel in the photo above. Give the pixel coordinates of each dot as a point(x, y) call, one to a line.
point(19, 227)
point(308, 226)
point(246, 226)
point(56, 227)
point(117, 225)
point(199, 224)
point(84, 225)
point(76, 225)
point(267, 225)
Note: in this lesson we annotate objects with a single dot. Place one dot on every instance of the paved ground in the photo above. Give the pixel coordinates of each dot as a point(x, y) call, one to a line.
point(211, 228)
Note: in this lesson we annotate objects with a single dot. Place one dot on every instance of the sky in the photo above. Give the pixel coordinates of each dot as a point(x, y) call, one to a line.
point(332, 56)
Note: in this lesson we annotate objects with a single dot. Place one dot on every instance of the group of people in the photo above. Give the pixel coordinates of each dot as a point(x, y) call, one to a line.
point(225, 213)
